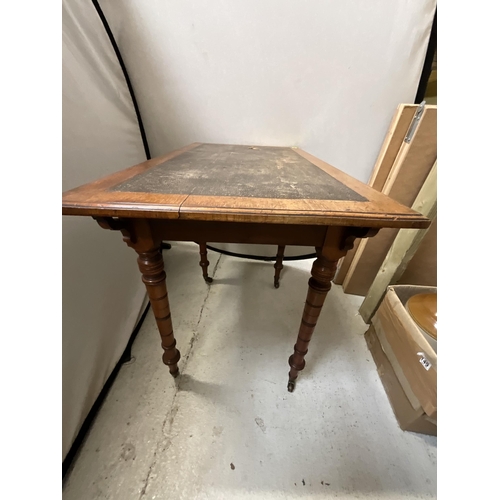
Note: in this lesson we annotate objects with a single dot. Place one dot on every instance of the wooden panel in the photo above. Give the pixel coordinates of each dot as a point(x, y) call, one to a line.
point(366, 263)
point(109, 204)
point(234, 232)
point(378, 213)
point(412, 166)
point(392, 144)
point(402, 249)
point(414, 160)
point(422, 269)
point(387, 155)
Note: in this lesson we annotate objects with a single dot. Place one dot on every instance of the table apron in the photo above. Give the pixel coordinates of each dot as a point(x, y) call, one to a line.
point(235, 232)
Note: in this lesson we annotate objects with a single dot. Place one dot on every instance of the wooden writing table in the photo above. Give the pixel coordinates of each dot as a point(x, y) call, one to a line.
point(238, 194)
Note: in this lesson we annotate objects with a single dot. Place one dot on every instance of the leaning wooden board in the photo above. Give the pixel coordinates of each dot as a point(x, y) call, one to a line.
point(407, 175)
point(388, 152)
point(422, 269)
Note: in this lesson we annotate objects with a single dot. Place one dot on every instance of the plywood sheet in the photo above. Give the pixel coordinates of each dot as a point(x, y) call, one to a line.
point(422, 269)
point(403, 184)
point(388, 152)
point(392, 144)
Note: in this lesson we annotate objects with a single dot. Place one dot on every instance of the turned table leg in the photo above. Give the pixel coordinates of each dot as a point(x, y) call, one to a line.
point(278, 265)
point(138, 234)
point(153, 276)
point(204, 262)
point(322, 272)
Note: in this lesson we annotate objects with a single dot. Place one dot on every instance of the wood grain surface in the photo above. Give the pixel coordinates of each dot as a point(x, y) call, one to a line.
point(408, 174)
point(262, 185)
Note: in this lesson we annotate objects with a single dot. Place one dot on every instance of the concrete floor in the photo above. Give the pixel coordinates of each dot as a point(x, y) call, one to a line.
point(227, 428)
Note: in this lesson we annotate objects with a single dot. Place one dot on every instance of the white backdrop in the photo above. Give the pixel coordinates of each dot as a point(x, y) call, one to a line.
point(102, 289)
point(325, 76)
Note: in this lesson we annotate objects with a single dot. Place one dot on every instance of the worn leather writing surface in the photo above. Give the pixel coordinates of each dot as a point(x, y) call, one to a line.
point(241, 171)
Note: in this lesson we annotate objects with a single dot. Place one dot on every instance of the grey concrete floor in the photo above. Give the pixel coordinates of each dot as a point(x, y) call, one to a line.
point(227, 428)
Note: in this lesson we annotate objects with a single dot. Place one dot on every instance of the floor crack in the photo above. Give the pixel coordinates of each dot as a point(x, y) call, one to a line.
point(208, 293)
point(173, 409)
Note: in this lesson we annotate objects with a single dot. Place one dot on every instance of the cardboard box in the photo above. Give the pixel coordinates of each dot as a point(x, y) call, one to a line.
point(406, 362)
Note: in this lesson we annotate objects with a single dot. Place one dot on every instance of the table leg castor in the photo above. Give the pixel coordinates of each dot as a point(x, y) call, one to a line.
point(322, 272)
point(204, 262)
point(278, 266)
